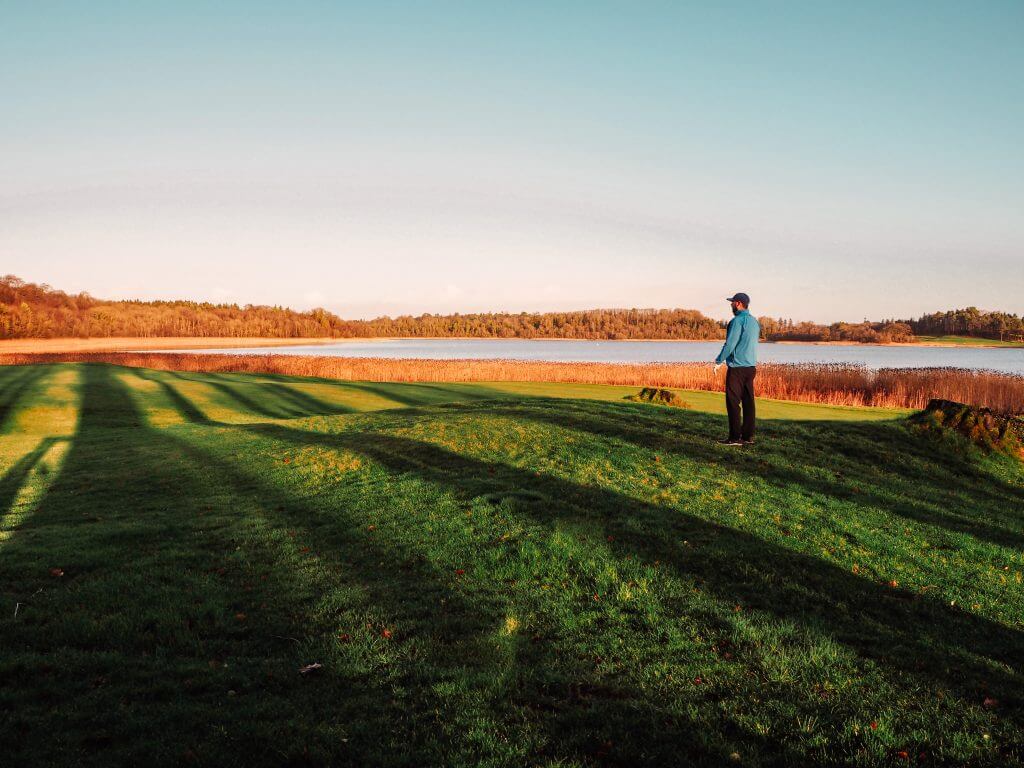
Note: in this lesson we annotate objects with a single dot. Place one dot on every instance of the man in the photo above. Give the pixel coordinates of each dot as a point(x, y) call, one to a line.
point(739, 353)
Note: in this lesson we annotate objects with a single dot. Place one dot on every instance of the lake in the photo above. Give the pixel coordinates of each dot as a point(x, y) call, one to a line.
point(1007, 359)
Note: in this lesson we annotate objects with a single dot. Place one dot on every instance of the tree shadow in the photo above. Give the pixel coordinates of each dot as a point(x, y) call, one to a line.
point(412, 395)
point(129, 654)
point(13, 480)
point(908, 634)
point(571, 708)
point(188, 410)
point(10, 375)
point(858, 455)
point(134, 479)
point(307, 404)
point(231, 396)
point(15, 390)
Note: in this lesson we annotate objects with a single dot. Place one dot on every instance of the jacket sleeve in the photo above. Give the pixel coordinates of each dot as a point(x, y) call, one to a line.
point(732, 338)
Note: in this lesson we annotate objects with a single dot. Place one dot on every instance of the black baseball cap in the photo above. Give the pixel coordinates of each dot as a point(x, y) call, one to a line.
point(742, 297)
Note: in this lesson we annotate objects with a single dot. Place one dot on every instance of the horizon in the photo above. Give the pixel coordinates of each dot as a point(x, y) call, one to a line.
point(835, 163)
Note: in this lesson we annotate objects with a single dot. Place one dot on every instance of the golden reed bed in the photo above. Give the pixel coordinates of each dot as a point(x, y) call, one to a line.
point(829, 384)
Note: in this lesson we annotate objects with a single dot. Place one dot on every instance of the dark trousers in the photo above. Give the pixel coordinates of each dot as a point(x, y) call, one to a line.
point(739, 389)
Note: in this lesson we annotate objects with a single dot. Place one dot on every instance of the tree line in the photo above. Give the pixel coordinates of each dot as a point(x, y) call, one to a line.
point(584, 324)
point(970, 322)
point(956, 322)
point(29, 310)
point(884, 332)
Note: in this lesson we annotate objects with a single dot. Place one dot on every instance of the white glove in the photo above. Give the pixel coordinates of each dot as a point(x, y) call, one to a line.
point(717, 366)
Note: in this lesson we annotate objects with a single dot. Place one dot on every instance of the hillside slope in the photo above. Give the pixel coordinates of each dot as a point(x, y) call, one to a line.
point(492, 578)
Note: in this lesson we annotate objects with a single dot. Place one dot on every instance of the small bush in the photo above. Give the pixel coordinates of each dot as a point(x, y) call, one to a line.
point(659, 397)
point(989, 429)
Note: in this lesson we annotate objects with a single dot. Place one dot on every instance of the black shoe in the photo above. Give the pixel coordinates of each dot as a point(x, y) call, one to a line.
point(730, 441)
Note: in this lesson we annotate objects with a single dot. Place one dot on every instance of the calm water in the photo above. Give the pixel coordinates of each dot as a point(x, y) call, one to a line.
point(1010, 360)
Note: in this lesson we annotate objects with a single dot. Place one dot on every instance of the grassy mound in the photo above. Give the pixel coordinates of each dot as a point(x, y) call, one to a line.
point(982, 426)
point(659, 397)
point(489, 578)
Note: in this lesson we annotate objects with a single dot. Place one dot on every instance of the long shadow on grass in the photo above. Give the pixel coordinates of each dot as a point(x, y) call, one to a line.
point(277, 400)
point(447, 628)
point(413, 395)
point(126, 652)
point(302, 403)
point(307, 404)
point(15, 390)
point(859, 455)
point(15, 477)
point(10, 375)
point(229, 392)
point(917, 637)
point(184, 406)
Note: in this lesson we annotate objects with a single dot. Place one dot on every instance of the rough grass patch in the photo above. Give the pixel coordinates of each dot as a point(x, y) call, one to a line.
point(659, 396)
point(984, 427)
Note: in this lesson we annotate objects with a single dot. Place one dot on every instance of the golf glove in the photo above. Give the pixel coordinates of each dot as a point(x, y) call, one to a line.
point(717, 366)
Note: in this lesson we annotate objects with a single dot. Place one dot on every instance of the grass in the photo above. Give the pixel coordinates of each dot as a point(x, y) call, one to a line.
point(493, 575)
point(968, 341)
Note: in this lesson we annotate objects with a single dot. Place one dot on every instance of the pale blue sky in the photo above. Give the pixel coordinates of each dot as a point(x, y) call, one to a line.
point(834, 160)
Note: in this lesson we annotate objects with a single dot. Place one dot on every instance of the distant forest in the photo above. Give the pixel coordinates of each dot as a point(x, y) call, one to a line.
point(958, 322)
point(28, 310)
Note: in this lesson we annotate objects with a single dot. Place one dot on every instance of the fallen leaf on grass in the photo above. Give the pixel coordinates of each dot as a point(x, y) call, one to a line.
point(345, 637)
point(385, 633)
point(309, 668)
point(56, 571)
point(460, 571)
point(990, 703)
point(240, 616)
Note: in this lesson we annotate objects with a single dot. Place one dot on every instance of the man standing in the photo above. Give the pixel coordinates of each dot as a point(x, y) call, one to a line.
point(739, 353)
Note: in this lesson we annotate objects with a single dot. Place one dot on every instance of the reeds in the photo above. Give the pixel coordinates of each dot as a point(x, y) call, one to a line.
point(832, 384)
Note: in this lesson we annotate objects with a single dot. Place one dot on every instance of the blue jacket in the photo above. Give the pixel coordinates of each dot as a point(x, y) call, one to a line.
point(740, 348)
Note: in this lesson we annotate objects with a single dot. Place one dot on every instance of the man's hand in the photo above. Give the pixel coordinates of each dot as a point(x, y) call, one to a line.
point(717, 366)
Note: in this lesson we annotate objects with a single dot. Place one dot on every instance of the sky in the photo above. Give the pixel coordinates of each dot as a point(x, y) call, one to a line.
point(836, 161)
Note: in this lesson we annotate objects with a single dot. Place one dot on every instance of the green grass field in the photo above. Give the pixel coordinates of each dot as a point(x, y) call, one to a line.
point(500, 574)
point(968, 341)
